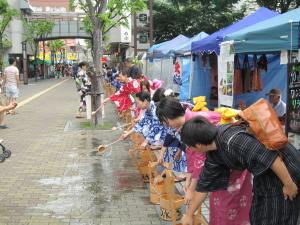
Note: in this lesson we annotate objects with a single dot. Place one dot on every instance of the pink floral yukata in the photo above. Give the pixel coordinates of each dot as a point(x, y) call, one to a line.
point(230, 206)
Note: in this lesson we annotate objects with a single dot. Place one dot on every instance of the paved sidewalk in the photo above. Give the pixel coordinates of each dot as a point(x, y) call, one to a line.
point(55, 177)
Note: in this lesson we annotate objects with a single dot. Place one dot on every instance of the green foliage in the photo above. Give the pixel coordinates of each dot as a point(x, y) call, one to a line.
point(6, 43)
point(279, 5)
point(116, 13)
point(189, 17)
point(55, 45)
point(6, 15)
point(36, 30)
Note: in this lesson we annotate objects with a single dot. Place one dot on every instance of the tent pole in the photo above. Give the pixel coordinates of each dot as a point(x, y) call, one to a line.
point(191, 77)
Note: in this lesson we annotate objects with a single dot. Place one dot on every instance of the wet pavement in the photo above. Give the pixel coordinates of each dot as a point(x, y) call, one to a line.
point(56, 177)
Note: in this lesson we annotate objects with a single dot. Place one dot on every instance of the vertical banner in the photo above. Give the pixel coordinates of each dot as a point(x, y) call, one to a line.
point(177, 71)
point(293, 104)
point(225, 74)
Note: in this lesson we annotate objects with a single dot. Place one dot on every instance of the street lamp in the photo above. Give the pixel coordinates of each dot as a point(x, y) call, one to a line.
point(25, 68)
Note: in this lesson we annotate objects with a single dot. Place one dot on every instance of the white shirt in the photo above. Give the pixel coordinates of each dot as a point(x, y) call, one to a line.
point(11, 73)
point(280, 108)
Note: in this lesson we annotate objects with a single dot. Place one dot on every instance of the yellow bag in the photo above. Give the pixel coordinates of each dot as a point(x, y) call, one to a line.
point(200, 104)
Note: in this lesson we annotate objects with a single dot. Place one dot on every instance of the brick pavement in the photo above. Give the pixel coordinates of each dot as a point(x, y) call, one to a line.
point(55, 177)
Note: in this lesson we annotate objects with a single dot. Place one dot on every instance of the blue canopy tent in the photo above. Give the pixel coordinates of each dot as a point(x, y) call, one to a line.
point(164, 49)
point(213, 41)
point(184, 51)
point(275, 34)
point(272, 35)
point(186, 48)
point(211, 44)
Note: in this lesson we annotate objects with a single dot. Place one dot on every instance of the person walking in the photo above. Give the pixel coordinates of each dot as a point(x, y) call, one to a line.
point(83, 85)
point(11, 82)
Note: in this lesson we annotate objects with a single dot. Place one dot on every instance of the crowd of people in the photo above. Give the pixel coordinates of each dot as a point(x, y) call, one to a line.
point(248, 184)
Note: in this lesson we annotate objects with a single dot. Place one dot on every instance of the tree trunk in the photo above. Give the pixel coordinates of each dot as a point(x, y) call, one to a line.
point(1, 53)
point(36, 59)
point(97, 81)
point(44, 56)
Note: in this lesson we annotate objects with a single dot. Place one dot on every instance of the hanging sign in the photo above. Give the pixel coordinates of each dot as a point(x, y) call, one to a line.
point(177, 72)
point(293, 104)
point(225, 74)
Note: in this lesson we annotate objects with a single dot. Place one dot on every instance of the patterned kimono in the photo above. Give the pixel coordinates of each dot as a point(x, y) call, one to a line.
point(173, 144)
point(237, 150)
point(150, 127)
point(122, 97)
point(232, 205)
point(83, 85)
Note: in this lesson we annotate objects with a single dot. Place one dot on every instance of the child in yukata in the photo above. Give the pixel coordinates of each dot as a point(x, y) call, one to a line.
point(276, 174)
point(148, 125)
point(122, 97)
point(227, 207)
point(173, 151)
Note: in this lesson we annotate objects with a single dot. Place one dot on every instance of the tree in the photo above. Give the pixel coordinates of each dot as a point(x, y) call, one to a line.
point(279, 5)
point(55, 46)
point(35, 31)
point(189, 17)
point(6, 15)
point(101, 17)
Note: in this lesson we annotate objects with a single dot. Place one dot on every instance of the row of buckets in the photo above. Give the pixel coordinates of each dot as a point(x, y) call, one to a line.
point(159, 178)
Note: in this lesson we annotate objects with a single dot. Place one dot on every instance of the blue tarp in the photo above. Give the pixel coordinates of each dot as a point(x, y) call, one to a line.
point(212, 42)
point(275, 77)
point(201, 83)
point(185, 77)
point(187, 47)
point(271, 35)
point(165, 47)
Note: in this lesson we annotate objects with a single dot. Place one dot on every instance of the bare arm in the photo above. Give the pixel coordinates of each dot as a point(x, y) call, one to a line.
point(289, 187)
point(125, 135)
point(4, 78)
point(161, 155)
point(18, 80)
point(198, 199)
point(7, 108)
point(188, 198)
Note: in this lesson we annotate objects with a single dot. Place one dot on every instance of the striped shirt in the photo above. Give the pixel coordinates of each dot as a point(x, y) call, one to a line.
point(239, 150)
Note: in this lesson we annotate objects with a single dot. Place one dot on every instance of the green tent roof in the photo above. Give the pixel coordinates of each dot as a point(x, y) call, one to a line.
point(272, 35)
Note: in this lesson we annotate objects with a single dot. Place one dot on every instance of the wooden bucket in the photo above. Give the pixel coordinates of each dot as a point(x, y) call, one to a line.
point(137, 140)
point(156, 190)
point(166, 208)
point(198, 218)
point(143, 169)
point(147, 155)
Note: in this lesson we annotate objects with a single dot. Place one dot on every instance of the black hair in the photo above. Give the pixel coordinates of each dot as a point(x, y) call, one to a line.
point(169, 108)
point(11, 60)
point(145, 83)
point(138, 75)
point(198, 131)
point(125, 72)
point(143, 95)
point(84, 63)
point(158, 94)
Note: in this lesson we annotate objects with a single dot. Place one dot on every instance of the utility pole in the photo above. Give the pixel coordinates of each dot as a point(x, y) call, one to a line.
point(134, 35)
point(151, 22)
point(25, 67)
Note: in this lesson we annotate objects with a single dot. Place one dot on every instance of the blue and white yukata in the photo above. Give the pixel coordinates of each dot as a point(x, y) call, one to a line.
point(150, 127)
point(173, 144)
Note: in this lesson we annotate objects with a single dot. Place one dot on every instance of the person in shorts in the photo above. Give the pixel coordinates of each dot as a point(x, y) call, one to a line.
point(11, 81)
